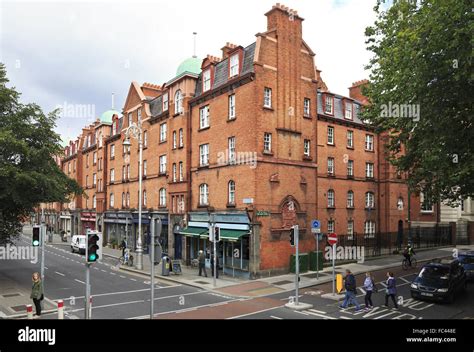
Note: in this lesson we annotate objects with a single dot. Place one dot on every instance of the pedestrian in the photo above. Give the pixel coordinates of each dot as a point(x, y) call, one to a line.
point(369, 287)
point(123, 246)
point(37, 292)
point(391, 290)
point(202, 263)
point(217, 266)
point(351, 289)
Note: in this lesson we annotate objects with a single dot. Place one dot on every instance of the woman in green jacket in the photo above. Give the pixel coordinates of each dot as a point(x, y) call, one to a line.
point(37, 292)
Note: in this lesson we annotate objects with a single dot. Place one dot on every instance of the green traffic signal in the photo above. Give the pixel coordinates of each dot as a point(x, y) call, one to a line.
point(36, 236)
point(92, 247)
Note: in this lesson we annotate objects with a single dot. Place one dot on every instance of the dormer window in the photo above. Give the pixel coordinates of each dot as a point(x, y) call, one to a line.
point(114, 127)
point(234, 65)
point(329, 105)
point(348, 110)
point(165, 102)
point(206, 80)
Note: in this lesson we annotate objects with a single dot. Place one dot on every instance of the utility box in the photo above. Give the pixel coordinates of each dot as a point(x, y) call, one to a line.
point(316, 260)
point(304, 263)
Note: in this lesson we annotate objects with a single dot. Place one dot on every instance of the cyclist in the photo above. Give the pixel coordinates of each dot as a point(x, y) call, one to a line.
point(123, 246)
point(408, 253)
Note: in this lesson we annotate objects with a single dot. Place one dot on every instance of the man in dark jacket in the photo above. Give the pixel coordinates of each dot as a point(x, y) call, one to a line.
point(351, 289)
point(202, 263)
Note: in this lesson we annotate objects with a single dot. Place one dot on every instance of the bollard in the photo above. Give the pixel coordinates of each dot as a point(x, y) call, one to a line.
point(29, 311)
point(61, 309)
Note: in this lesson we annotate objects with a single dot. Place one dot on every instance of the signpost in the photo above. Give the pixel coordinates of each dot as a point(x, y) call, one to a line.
point(332, 239)
point(297, 263)
point(316, 229)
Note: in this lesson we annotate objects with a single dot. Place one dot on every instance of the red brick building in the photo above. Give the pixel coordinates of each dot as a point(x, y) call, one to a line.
point(253, 140)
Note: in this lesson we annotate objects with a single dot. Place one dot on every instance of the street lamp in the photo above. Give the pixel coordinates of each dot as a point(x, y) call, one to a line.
point(135, 131)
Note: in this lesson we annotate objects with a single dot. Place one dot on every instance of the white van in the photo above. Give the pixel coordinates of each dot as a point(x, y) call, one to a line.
point(78, 244)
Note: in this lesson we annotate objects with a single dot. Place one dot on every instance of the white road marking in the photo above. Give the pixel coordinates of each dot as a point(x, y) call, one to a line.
point(318, 311)
point(111, 273)
point(59, 273)
point(82, 282)
point(259, 311)
point(134, 280)
point(347, 318)
point(123, 277)
point(320, 315)
point(383, 284)
point(274, 317)
point(103, 270)
point(362, 290)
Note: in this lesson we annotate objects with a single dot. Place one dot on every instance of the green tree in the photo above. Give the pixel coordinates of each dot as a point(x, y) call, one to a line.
point(422, 54)
point(28, 173)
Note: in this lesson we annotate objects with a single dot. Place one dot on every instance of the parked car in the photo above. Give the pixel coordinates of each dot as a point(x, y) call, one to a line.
point(467, 261)
point(78, 244)
point(439, 281)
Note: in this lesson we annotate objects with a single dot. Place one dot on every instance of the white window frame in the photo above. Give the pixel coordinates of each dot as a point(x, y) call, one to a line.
point(369, 200)
point(94, 180)
point(331, 168)
point(307, 147)
point(162, 201)
point(112, 151)
point(204, 154)
point(350, 139)
point(112, 200)
point(348, 111)
point(231, 192)
point(331, 226)
point(350, 168)
point(181, 174)
point(307, 107)
point(267, 97)
point(350, 229)
point(174, 172)
point(369, 142)
point(144, 167)
point(331, 197)
point(94, 202)
point(178, 102)
point(231, 106)
point(369, 170)
point(350, 199)
point(112, 175)
point(162, 164)
point(163, 132)
point(369, 229)
point(267, 142)
point(203, 194)
point(174, 140)
point(204, 117)
point(144, 198)
point(329, 103)
point(181, 138)
point(206, 80)
point(423, 205)
point(400, 204)
point(231, 147)
point(331, 135)
point(234, 65)
point(145, 139)
point(165, 102)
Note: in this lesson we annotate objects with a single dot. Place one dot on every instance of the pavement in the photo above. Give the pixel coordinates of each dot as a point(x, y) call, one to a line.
point(121, 292)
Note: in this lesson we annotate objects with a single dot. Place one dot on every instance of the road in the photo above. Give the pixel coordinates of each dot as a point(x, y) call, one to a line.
point(116, 294)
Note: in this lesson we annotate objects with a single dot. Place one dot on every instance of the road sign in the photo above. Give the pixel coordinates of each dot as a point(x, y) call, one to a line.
point(315, 230)
point(339, 283)
point(332, 238)
point(315, 224)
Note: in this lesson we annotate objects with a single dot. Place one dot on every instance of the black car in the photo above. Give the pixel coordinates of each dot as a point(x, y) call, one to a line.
point(467, 261)
point(439, 281)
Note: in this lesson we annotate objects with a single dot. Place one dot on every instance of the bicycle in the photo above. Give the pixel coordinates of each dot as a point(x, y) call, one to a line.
point(126, 259)
point(406, 264)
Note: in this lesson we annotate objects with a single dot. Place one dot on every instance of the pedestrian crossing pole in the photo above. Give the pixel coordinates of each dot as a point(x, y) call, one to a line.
point(88, 292)
point(297, 264)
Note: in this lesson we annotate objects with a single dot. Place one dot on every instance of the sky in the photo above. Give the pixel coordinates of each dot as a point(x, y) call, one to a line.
point(76, 54)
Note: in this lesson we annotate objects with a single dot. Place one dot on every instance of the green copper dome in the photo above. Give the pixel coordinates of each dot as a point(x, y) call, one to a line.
point(106, 117)
point(191, 65)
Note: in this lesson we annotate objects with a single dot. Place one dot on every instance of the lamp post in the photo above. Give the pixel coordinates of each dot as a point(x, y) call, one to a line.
point(135, 131)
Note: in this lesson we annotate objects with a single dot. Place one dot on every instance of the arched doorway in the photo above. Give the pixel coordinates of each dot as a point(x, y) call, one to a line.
point(178, 242)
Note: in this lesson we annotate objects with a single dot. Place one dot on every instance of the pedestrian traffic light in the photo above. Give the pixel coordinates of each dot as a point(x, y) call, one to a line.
point(36, 236)
point(94, 246)
point(292, 237)
point(217, 233)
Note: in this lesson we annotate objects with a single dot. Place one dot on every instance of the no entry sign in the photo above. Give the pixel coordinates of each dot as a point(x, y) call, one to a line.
point(332, 238)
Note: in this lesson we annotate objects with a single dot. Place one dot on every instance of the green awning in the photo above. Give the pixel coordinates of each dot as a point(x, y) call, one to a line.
point(193, 231)
point(232, 235)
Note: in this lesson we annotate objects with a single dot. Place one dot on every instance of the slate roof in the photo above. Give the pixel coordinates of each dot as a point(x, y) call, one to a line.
point(339, 109)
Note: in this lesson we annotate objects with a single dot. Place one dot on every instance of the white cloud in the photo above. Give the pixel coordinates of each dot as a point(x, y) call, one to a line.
point(76, 52)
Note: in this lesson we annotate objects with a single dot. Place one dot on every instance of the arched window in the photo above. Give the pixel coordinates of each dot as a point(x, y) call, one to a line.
point(204, 194)
point(123, 200)
point(231, 192)
point(178, 102)
point(400, 203)
point(162, 197)
point(331, 198)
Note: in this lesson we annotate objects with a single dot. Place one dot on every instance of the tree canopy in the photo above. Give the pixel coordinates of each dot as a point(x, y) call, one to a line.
point(28, 173)
point(420, 92)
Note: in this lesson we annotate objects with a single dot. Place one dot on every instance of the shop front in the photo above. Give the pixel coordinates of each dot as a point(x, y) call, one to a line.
point(88, 221)
point(65, 222)
point(146, 238)
point(233, 249)
point(117, 227)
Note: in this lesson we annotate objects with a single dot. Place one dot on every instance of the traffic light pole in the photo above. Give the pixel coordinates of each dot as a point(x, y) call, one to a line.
point(297, 264)
point(88, 292)
point(43, 237)
point(333, 269)
point(152, 268)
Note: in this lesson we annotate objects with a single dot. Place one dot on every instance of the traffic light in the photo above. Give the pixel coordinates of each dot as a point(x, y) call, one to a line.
point(292, 237)
point(94, 246)
point(217, 233)
point(36, 236)
point(157, 245)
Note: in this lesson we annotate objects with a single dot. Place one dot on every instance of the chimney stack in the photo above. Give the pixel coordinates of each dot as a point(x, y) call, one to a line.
point(355, 91)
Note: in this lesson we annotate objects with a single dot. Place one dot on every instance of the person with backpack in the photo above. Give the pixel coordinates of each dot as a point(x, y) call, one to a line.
point(391, 290)
point(369, 287)
point(351, 290)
